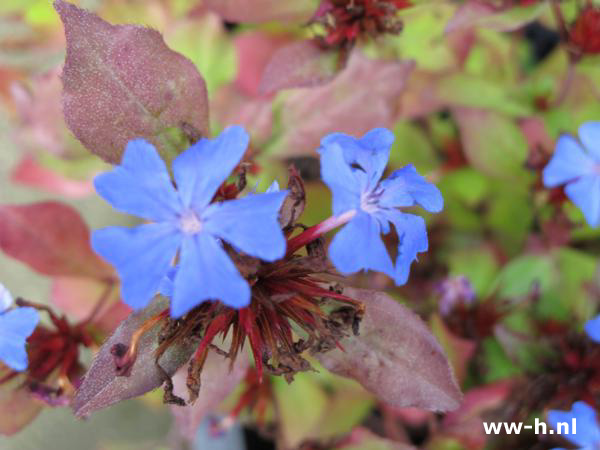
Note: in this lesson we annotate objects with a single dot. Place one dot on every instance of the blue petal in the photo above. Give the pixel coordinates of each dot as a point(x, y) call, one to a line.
point(412, 237)
point(338, 176)
point(6, 299)
point(378, 141)
point(585, 193)
point(358, 246)
point(592, 328)
point(250, 224)
point(274, 187)
point(587, 434)
point(15, 327)
point(405, 186)
point(370, 153)
point(141, 255)
point(141, 185)
point(167, 284)
point(568, 162)
point(206, 273)
point(589, 133)
point(202, 168)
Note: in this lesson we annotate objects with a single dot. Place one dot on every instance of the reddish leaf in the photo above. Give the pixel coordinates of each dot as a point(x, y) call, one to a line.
point(254, 51)
point(229, 105)
point(395, 357)
point(344, 104)
point(217, 383)
point(466, 422)
point(51, 238)
point(477, 13)
point(121, 82)
point(17, 407)
point(29, 172)
point(101, 387)
point(78, 298)
point(260, 11)
point(301, 64)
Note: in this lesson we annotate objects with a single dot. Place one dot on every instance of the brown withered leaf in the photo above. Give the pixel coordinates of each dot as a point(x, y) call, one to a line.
point(218, 381)
point(101, 387)
point(294, 203)
point(122, 82)
point(51, 238)
point(395, 357)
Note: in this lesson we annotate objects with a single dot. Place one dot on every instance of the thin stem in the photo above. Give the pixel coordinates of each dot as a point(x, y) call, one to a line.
point(316, 231)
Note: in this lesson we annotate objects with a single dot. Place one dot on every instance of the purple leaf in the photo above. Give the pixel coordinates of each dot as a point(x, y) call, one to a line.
point(344, 105)
point(300, 64)
point(218, 381)
point(52, 239)
point(395, 357)
point(101, 387)
point(122, 82)
point(260, 11)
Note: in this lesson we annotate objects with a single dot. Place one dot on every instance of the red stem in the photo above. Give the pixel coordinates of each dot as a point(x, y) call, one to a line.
point(316, 231)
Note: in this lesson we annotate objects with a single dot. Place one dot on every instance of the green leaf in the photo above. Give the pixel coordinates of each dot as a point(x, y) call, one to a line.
point(475, 92)
point(492, 143)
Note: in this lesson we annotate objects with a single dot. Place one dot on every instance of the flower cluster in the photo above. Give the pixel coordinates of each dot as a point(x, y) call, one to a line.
point(577, 165)
point(185, 219)
point(224, 261)
point(347, 20)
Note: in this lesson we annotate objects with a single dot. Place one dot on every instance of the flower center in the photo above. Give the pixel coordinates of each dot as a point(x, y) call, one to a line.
point(190, 223)
point(369, 202)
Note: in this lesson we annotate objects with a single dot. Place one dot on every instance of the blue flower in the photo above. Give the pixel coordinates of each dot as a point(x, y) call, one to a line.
point(578, 166)
point(592, 328)
point(16, 325)
point(587, 432)
point(185, 220)
point(352, 168)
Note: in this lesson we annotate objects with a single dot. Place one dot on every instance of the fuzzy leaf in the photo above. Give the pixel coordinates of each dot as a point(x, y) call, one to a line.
point(300, 64)
point(122, 82)
point(395, 357)
point(51, 238)
point(101, 387)
point(218, 381)
point(260, 11)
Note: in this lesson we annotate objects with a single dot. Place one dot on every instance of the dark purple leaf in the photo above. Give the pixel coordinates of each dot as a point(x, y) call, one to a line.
point(122, 82)
point(395, 357)
point(51, 238)
point(101, 387)
point(301, 64)
point(218, 381)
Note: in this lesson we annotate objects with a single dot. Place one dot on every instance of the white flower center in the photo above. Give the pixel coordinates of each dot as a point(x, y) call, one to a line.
point(190, 223)
point(368, 202)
